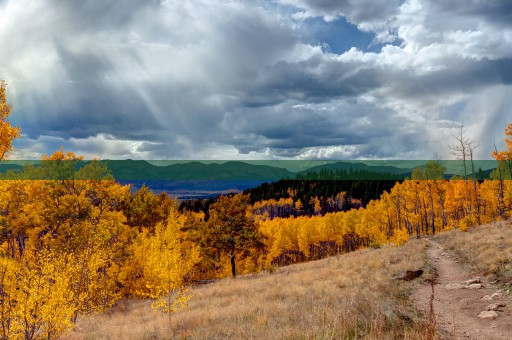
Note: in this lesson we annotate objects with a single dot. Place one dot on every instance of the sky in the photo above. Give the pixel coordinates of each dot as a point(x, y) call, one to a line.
point(256, 79)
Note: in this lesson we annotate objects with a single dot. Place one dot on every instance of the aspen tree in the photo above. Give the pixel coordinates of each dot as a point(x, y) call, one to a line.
point(7, 132)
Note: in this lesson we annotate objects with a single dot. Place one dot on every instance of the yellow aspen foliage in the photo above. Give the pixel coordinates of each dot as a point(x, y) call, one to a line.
point(400, 236)
point(298, 205)
point(95, 274)
point(161, 262)
point(304, 235)
point(505, 155)
point(46, 305)
point(315, 202)
point(467, 222)
point(372, 220)
point(504, 172)
point(333, 227)
point(36, 299)
point(8, 289)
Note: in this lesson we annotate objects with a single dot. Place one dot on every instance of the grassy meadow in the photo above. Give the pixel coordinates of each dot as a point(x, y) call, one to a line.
point(348, 296)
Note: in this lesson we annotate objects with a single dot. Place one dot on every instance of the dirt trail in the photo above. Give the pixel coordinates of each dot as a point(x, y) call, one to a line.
point(457, 307)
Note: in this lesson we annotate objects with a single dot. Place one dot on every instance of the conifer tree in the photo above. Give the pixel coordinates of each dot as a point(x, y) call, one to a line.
point(231, 228)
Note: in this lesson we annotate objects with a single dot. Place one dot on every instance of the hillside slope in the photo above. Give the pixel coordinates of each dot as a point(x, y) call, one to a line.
point(338, 297)
point(359, 294)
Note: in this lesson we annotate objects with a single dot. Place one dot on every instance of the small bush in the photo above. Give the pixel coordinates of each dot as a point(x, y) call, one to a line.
point(401, 236)
point(467, 222)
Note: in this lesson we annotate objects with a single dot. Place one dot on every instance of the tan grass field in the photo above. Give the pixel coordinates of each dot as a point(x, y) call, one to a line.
point(350, 296)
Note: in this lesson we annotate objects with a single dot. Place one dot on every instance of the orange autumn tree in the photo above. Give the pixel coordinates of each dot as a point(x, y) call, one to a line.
point(505, 155)
point(66, 228)
point(504, 170)
point(36, 299)
point(160, 261)
point(7, 132)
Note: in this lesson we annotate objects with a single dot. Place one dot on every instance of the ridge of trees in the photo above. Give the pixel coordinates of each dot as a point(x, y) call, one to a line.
point(305, 190)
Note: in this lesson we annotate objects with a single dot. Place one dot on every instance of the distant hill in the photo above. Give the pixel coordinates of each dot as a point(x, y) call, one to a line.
point(239, 170)
point(4, 167)
point(196, 171)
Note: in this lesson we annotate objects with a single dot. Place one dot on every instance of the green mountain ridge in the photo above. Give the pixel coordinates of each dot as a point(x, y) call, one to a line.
point(256, 170)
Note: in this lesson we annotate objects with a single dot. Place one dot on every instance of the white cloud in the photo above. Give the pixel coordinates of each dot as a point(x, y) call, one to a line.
point(329, 152)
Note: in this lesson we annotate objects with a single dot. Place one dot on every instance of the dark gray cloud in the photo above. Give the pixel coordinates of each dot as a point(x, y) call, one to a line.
point(339, 128)
point(493, 11)
point(461, 77)
point(316, 79)
point(103, 15)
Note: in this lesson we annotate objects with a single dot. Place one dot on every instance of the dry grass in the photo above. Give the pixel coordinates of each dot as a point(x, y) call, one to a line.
point(484, 250)
point(345, 297)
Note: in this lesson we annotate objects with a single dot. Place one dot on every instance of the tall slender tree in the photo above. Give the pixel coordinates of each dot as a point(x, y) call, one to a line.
point(504, 168)
point(464, 149)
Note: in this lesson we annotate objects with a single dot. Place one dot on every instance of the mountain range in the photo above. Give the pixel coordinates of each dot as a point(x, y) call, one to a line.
point(140, 170)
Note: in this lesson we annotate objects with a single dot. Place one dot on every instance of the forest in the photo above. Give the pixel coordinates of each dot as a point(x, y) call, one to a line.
point(76, 241)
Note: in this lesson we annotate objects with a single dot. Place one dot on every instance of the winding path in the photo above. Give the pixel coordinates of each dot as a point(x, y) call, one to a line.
point(457, 305)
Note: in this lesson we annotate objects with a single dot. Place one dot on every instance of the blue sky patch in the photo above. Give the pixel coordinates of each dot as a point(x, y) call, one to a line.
point(339, 35)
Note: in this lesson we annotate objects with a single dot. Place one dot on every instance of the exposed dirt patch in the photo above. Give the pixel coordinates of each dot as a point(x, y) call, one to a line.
point(459, 299)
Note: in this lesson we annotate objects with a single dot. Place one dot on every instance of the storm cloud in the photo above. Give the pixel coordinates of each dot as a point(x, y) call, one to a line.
point(248, 80)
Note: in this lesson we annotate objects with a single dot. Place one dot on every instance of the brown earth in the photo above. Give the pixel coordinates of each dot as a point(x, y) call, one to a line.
point(457, 306)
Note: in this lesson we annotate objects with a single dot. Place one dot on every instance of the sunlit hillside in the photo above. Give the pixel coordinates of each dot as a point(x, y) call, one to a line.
point(346, 296)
